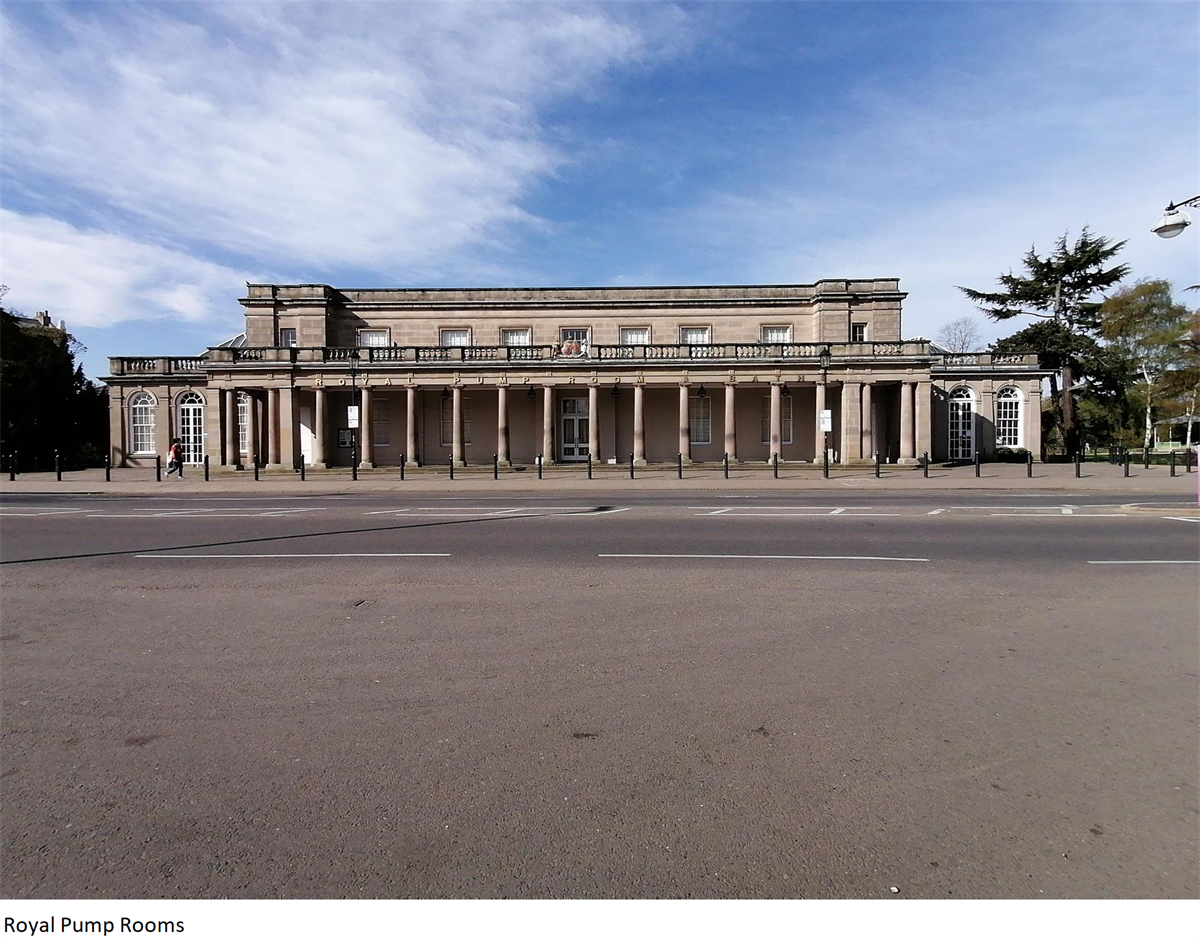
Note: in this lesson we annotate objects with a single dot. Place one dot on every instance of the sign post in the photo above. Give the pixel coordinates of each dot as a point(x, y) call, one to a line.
point(826, 427)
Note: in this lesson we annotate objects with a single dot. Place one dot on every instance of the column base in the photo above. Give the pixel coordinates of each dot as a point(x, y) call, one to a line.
point(503, 463)
point(458, 462)
point(316, 465)
point(365, 465)
point(639, 462)
point(908, 461)
point(276, 466)
point(412, 464)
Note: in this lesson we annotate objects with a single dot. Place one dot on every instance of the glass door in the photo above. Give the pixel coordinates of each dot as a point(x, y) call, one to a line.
point(962, 426)
point(191, 427)
point(574, 426)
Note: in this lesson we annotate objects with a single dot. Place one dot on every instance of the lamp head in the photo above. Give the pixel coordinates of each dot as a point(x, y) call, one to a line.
point(702, 392)
point(446, 392)
point(826, 358)
point(785, 391)
point(1172, 223)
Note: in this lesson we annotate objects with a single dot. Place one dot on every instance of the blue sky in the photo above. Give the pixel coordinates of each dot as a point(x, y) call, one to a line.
point(157, 156)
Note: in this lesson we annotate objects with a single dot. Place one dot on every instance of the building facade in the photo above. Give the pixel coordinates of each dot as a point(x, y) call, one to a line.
point(457, 375)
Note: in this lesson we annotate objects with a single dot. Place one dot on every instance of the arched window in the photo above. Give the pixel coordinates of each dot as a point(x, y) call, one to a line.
point(141, 424)
point(962, 424)
point(1008, 418)
point(190, 407)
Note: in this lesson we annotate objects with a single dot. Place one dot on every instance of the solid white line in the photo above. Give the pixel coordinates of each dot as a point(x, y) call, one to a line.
point(1192, 519)
point(275, 555)
point(893, 559)
point(790, 507)
point(39, 513)
point(836, 513)
point(1144, 562)
point(1060, 516)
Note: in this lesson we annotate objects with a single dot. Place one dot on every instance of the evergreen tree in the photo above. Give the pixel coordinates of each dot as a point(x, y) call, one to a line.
point(1065, 289)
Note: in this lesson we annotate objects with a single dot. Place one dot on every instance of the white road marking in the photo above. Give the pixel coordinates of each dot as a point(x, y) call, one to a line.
point(1191, 519)
point(837, 513)
point(935, 512)
point(1046, 516)
point(1144, 562)
point(276, 555)
point(893, 559)
point(38, 513)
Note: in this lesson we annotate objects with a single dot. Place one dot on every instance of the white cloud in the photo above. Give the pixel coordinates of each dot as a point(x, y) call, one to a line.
point(395, 138)
point(97, 279)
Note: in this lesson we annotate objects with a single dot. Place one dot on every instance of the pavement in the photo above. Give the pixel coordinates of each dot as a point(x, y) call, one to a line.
point(591, 690)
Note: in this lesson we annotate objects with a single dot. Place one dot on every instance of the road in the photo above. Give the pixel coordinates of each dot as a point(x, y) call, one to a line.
point(650, 695)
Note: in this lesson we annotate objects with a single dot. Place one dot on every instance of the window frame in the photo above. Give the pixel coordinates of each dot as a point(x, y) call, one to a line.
point(446, 417)
point(696, 400)
point(707, 328)
point(279, 339)
point(853, 326)
point(387, 336)
point(381, 420)
point(143, 399)
point(763, 328)
point(462, 328)
point(528, 331)
point(635, 343)
point(785, 420)
point(1017, 401)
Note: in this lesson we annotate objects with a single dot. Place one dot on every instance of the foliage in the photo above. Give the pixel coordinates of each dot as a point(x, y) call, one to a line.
point(960, 335)
point(46, 403)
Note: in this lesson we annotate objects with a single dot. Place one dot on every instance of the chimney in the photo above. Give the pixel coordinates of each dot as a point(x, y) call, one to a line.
point(44, 318)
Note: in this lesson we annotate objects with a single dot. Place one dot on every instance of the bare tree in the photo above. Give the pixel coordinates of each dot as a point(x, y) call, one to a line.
point(960, 336)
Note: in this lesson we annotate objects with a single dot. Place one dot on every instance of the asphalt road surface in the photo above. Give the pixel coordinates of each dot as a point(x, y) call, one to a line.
point(683, 695)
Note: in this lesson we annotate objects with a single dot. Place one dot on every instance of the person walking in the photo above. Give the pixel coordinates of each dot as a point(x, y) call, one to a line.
point(176, 458)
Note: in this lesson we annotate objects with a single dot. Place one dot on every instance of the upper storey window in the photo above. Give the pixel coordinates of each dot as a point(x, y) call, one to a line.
point(516, 337)
point(694, 335)
point(287, 336)
point(776, 334)
point(373, 338)
point(456, 337)
point(635, 335)
point(858, 333)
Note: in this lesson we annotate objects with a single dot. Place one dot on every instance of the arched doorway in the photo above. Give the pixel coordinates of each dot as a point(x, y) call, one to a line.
point(962, 424)
point(191, 427)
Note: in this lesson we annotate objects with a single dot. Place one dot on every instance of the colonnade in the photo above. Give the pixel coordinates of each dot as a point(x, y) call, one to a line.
point(860, 433)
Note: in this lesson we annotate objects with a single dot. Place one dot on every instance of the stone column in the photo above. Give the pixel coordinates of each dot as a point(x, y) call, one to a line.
point(1032, 418)
point(730, 422)
point(273, 427)
point(594, 422)
point(907, 445)
point(923, 419)
point(819, 439)
point(320, 418)
point(776, 422)
point(548, 425)
point(253, 437)
point(685, 431)
point(366, 435)
point(456, 439)
point(231, 428)
point(851, 422)
point(502, 425)
point(868, 423)
point(639, 424)
point(118, 431)
point(412, 458)
point(289, 430)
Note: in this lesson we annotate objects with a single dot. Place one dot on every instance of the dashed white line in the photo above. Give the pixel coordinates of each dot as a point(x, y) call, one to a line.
point(1144, 562)
point(889, 559)
point(278, 555)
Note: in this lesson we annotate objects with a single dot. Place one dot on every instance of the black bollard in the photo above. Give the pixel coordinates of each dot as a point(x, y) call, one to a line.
point(631, 466)
point(57, 466)
point(1029, 464)
point(206, 467)
point(1077, 474)
point(254, 458)
point(1172, 463)
point(1126, 464)
point(925, 465)
point(353, 459)
point(725, 462)
point(496, 467)
point(107, 467)
point(539, 464)
point(12, 468)
point(302, 467)
point(679, 466)
point(451, 467)
point(180, 468)
point(158, 467)
point(977, 461)
point(401, 466)
point(775, 463)
point(876, 464)
point(589, 465)
point(825, 462)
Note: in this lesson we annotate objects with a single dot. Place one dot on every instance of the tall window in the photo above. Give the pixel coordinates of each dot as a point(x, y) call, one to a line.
point(777, 334)
point(1008, 418)
point(381, 421)
point(448, 421)
point(694, 335)
point(785, 419)
point(243, 403)
point(858, 333)
point(700, 419)
point(373, 337)
point(635, 335)
point(456, 337)
point(516, 337)
point(191, 426)
point(141, 423)
point(962, 424)
point(287, 336)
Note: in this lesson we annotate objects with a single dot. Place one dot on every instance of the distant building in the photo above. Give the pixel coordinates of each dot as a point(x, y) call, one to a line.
point(460, 374)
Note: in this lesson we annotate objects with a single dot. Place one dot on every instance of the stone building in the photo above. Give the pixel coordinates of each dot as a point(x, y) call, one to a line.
point(460, 374)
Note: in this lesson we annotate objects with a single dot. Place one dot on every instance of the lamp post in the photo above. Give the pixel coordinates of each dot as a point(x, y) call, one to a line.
point(826, 359)
point(354, 401)
point(1174, 220)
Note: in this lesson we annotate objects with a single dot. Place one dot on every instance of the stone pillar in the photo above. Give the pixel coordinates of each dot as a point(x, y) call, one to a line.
point(273, 427)
point(456, 439)
point(412, 458)
point(639, 424)
point(1033, 420)
point(594, 422)
point(289, 431)
point(776, 422)
point(253, 433)
point(502, 425)
point(868, 423)
point(548, 425)
point(819, 440)
point(118, 431)
point(851, 422)
point(231, 428)
point(908, 446)
point(366, 446)
point(320, 418)
point(923, 419)
point(685, 431)
point(730, 422)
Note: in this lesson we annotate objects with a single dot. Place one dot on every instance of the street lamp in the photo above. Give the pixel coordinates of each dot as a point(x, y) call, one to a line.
point(826, 360)
point(1174, 220)
point(356, 404)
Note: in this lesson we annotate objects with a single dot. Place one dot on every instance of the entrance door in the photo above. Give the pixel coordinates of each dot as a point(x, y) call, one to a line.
point(306, 434)
point(574, 425)
point(191, 427)
point(962, 426)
